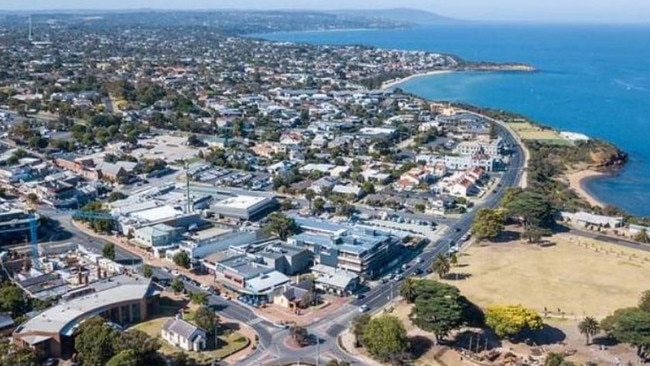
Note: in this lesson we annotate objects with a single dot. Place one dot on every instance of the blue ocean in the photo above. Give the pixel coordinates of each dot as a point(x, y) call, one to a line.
point(593, 79)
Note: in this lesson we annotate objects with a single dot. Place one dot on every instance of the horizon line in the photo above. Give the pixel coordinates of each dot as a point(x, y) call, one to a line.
point(298, 10)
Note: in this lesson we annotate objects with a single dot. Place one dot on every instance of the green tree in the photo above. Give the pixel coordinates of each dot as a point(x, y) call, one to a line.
point(408, 290)
point(453, 259)
point(309, 196)
point(589, 327)
point(177, 285)
point(556, 359)
point(182, 359)
point(12, 300)
point(441, 266)
point(147, 271)
point(509, 320)
point(632, 326)
point(199, 298)
point(280, 225)
point(94, 342)
point(206, 319)
point(32, 198)
point(359, 324)
point(385, 338)
point(531, 208)
point(145, 346)
point(13, 355)
point(644, 301)
point(109, 251)
point(128, 357)
point(368, 188)
point(488, 224)
point(439, 315)
point(319, 205)
point(642, 237)
point(182, 259)
point(116, 196)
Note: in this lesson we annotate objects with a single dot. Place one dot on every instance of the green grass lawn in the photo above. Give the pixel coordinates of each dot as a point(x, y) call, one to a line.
point(228, 343)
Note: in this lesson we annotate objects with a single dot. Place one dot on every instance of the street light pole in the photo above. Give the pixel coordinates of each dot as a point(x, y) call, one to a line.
point(317, 351)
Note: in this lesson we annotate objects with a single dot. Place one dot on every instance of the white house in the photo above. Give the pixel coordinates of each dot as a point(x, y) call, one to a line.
point(180, 333)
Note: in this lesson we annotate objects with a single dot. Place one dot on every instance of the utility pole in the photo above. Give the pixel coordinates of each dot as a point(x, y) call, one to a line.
point(317, 350)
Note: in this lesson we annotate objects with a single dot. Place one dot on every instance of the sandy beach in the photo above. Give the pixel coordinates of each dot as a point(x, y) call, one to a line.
point(576, 181)
point(397, 82)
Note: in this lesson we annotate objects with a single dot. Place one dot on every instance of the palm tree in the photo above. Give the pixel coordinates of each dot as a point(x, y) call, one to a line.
point(408, 290)
point(589, 327)
point(441, 266)
point(453, 259)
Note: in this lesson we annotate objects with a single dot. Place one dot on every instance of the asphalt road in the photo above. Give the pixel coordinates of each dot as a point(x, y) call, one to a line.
point(384, 293)
point(96, 245)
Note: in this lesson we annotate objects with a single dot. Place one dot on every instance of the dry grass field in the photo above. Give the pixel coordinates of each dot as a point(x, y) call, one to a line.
point(527, 131)
point(576, 275)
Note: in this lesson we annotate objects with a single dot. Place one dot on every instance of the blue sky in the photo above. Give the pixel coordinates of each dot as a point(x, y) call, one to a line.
point(599, 11)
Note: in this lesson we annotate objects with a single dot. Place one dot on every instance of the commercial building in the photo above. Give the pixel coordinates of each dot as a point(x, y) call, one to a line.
point(159, 235)
point(245, 275)
point(332, 280)
point(363, 251)
point(244, 207)
point(123, 299)
point(15, 224)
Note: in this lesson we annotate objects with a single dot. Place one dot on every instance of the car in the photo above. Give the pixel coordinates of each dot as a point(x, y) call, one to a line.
point(51, 362)
point(205, 287)
point(429, 270)
point(398, 277)
point(360, 296)
point(384, 280)
point(418, 271)
point(363, 308)
point(418, 260)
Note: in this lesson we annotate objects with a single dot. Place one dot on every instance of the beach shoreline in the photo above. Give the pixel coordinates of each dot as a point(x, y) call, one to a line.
point(396, 82)
point(577, 182)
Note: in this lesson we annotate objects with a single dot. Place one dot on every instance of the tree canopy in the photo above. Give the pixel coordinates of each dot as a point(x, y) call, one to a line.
point(531, 208)
point(441, 266)
point(182, 259)
point(385, 338)
point(589, 327)
point(632, 326)
point(13, 355)
point(109, 251)
point(510, 320)
point(280, 225)
point(488, 224)
point(94, 342)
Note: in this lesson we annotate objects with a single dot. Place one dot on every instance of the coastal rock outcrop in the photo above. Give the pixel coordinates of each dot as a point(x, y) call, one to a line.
point(607, 158)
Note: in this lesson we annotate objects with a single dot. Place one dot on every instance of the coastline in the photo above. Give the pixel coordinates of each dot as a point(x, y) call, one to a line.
point(396, 82)
point(577, 183)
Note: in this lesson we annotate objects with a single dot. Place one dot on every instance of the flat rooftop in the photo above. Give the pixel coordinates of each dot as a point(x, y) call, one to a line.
point(240, 202)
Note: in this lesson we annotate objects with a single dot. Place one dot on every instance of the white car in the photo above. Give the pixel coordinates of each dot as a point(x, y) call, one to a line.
point(205, 287)
point(363, 308)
